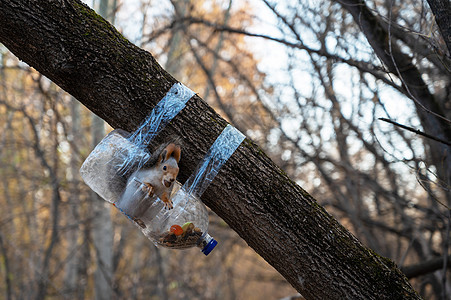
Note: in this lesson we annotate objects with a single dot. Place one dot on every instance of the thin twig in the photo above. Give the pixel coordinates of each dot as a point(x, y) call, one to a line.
point(416, 131)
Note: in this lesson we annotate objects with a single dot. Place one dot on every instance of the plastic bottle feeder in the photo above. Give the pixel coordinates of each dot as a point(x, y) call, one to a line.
point(109, 166)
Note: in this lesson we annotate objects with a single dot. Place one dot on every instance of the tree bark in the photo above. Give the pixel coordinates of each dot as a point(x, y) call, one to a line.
point(86, 56)
point(442, 12)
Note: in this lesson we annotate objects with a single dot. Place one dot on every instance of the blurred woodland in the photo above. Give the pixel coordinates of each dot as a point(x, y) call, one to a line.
point(303, 81)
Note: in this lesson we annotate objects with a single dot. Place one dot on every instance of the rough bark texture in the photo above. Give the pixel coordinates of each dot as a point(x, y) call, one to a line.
point(86, 56)
point(442, 12)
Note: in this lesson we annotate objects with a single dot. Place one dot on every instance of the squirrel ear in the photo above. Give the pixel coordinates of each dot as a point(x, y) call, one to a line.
point(177, 153)
point(163, 155)
point(171, 150)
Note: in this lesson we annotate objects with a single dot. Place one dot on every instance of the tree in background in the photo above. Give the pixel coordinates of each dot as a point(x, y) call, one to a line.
point(102, 227)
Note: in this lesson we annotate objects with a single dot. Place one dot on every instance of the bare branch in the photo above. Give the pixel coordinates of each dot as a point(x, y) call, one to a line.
point(425, 267)
point(417, 131)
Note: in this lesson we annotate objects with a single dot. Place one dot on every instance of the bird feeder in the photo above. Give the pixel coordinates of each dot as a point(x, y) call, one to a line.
point(109, 169)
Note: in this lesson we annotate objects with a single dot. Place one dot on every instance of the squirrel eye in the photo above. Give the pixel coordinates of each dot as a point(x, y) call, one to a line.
point(164, 168)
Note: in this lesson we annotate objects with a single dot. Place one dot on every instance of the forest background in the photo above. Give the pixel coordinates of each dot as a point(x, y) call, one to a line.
point(302, 81)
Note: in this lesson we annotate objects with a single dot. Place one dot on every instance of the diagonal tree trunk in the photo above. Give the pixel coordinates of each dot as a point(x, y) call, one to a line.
point(86, 56)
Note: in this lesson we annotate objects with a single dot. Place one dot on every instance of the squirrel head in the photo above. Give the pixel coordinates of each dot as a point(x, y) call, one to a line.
point(168, 164)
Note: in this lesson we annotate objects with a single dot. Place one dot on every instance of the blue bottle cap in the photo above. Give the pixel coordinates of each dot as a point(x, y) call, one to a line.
point(210, 246)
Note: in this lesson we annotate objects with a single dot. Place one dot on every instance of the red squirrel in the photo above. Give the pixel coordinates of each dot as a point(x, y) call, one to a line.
point(157, 176)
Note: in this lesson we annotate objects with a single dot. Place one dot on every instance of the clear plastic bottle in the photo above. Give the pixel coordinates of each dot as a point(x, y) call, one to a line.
point(101, 169)
point(109, 165)
point(182, 227)
point(101, 172)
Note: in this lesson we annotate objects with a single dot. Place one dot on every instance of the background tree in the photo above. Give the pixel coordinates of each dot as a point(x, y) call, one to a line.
point(102, 227)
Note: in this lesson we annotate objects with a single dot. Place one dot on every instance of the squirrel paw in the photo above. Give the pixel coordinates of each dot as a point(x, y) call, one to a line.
point(149, 189)
point(168, 204)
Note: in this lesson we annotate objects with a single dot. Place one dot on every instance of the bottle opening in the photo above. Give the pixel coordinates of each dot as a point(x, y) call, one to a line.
point(209, 247)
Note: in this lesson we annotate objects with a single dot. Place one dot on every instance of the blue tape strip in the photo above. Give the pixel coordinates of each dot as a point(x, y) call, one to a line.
point(172, 103)
point(221, 150)
point(168, 107)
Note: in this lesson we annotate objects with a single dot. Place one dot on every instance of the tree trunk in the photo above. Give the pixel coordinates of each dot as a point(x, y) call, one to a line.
point(102, 230)
point(73, 214)
point(86, 56)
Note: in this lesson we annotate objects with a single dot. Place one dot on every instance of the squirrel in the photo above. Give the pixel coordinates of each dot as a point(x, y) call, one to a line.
point(158, 176)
